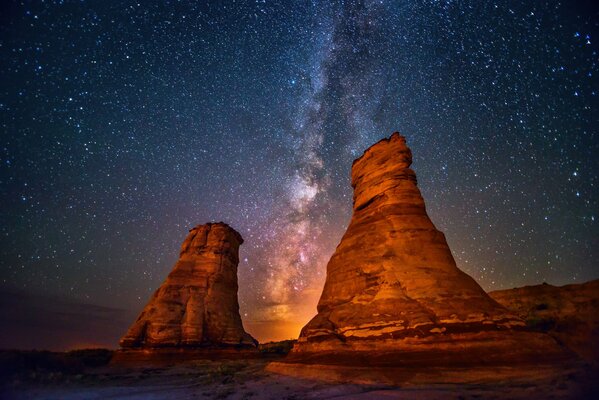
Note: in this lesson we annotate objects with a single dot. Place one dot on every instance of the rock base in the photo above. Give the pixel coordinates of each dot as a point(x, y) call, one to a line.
point(171, 356)
point(457, 358)
point(495, 348)
point(411, 376)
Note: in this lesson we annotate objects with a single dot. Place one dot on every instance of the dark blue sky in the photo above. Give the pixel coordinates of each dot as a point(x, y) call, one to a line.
point(124, 124)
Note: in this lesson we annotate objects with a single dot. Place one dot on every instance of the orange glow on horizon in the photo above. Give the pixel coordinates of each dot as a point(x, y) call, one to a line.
point(283, 321)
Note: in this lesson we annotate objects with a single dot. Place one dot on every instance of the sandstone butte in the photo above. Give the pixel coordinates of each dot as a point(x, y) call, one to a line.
point(569, 313)
point(394, 297)
point(196, 306)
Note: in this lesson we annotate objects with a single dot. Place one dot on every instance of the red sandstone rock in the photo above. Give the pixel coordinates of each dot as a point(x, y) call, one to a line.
point(569, 313)
point(393, 294)
point(197, 304)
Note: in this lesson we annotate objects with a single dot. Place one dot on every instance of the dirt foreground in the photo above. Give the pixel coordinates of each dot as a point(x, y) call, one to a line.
point(249, 379)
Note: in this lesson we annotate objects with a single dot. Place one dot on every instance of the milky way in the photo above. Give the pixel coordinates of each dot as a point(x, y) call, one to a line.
point(124, 124)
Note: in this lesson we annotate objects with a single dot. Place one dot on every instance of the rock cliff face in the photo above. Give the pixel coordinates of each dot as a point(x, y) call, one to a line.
point(393, 291)
point(197, 305)
point(569, 313)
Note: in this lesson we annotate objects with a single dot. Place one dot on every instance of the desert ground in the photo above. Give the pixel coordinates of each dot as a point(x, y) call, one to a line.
point(89, 375)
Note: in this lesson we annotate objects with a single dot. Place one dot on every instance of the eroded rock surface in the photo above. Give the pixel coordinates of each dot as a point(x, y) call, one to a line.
point(197, 304)
point(569, 313)
point(393, 292)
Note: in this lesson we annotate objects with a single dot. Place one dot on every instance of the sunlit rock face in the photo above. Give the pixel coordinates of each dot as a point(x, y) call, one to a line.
point(393, 291)
point(197, 304)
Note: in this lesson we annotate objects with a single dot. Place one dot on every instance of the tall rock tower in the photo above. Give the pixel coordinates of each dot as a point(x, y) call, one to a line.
point(393, 294)
point(197, 304)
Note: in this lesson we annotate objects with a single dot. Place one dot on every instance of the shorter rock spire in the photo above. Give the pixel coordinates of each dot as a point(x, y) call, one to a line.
point(197, 304)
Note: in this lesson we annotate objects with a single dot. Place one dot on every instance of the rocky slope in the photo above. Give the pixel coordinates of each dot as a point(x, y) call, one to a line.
point(393, 293)
point(197, 305)
point(569, 313)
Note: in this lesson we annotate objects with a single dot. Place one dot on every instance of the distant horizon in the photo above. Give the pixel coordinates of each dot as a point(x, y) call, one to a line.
point(86, 322)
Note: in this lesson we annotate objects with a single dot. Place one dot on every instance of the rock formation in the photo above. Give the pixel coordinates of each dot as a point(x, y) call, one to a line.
point(197, 304)
point(569, 313)
point(393, 294)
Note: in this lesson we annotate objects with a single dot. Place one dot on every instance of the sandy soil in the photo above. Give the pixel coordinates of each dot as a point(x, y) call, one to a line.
point(247, 379)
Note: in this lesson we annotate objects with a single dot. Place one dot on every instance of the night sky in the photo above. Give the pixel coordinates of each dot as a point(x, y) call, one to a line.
point(124, 124)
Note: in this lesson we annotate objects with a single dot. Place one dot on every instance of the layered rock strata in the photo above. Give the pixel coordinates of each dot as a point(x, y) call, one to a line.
point(197, 305)
point(569, 313)
point(393, 294)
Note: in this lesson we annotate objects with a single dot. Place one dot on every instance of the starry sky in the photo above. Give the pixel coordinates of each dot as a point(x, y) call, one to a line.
point(124, 124)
